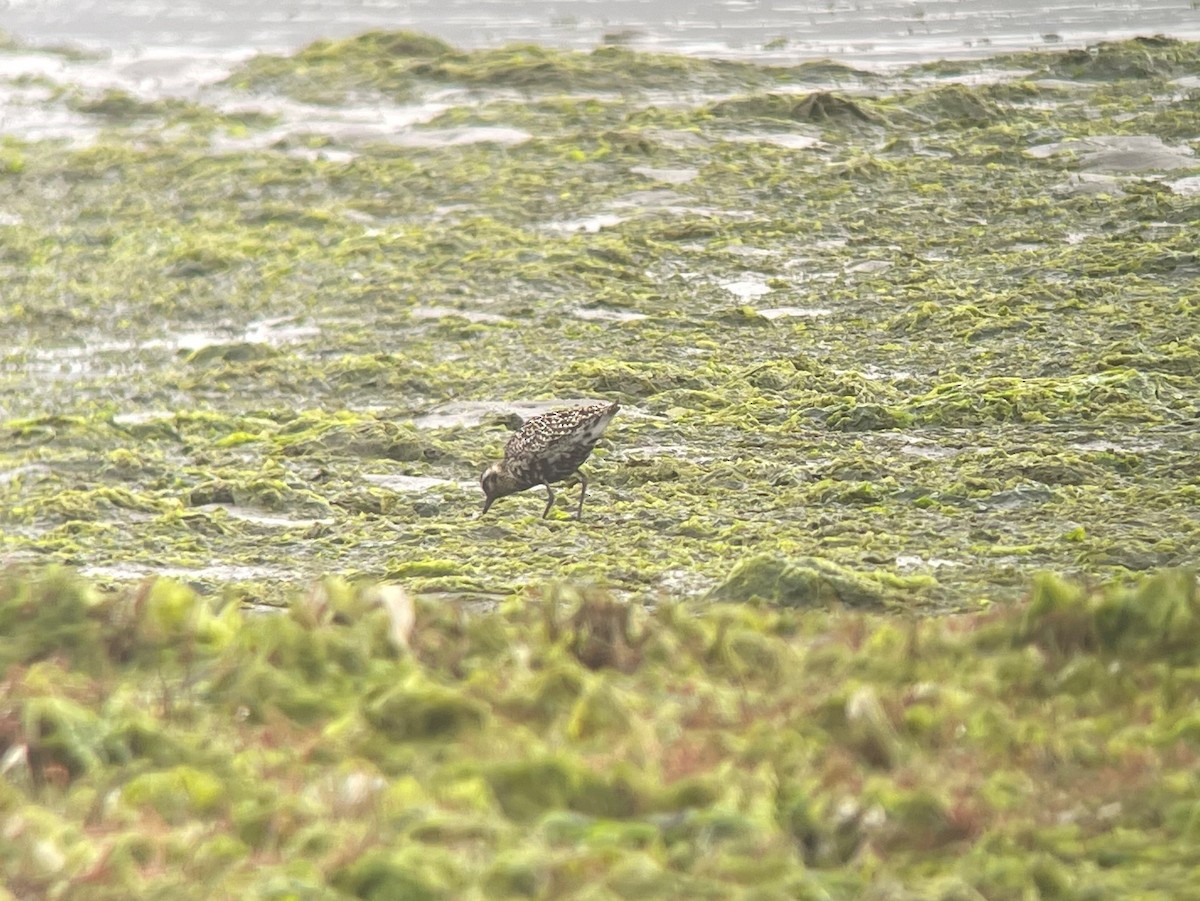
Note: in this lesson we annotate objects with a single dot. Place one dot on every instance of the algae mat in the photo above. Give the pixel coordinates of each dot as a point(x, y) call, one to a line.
point(160, 744)
point(929, 331)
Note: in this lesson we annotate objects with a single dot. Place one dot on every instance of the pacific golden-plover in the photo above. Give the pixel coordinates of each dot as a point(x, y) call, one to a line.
point(548, 448)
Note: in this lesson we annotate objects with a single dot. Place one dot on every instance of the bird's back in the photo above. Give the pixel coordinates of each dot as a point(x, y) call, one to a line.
point(551, 446)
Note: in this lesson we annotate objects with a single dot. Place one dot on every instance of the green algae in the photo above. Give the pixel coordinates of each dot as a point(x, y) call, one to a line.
point(119, 105)
point(297, 358)
point(819, 106)
point(810, 582)
point(1158, 619)
point(1039, 747)
point(1135, 59)
point(398, 63)
point(416, 712)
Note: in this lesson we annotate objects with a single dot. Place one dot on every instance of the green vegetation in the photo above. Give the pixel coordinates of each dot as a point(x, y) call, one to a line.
point(397, 64)
point(886, 348)
point(933, 333)
point(568, 744)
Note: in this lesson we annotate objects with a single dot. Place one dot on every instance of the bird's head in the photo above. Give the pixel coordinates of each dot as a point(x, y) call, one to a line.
point(496, 482)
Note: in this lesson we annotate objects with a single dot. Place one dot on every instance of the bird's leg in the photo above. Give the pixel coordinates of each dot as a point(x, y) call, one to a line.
point(549, 501)
point(582, 492)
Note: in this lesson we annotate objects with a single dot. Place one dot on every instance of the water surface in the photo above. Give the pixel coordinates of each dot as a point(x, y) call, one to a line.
point(863, 31)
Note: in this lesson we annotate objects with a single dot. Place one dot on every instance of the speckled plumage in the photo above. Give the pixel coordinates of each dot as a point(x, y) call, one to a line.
point(548, 448)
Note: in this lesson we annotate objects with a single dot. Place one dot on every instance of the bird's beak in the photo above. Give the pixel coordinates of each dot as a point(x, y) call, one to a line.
point(487, 502)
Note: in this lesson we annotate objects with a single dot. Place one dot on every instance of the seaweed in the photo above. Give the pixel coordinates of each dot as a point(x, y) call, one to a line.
point(749, 749)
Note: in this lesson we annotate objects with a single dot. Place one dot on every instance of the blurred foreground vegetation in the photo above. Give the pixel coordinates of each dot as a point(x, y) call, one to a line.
point(156, 743)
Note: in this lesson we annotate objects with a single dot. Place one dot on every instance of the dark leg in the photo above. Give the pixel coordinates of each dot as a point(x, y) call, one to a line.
point(582, 492)
point(549, 502)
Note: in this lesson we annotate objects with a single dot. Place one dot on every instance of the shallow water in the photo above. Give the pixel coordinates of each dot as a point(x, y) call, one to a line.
point(880, 31)
point(154, 49)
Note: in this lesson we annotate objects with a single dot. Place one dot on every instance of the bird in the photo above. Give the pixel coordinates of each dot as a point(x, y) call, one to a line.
point(549, 447)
